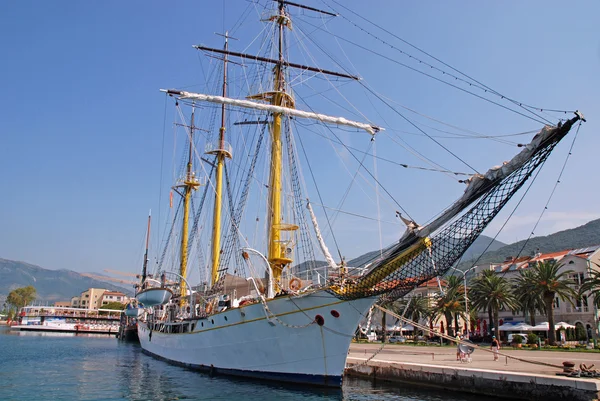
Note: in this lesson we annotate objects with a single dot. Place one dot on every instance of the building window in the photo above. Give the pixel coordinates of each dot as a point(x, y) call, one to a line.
point(556, 303)
point(581, 305)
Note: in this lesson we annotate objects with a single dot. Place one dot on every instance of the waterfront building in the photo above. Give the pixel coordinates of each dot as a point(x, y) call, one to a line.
point(580, 312)
point(112, 296)
point(94, 298)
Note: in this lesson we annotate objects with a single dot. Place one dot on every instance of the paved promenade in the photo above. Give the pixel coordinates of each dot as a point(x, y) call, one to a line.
point(446, 356)
point(506, 378)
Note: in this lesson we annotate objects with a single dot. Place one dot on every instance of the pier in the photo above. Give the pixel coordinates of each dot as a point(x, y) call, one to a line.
point(506, 378)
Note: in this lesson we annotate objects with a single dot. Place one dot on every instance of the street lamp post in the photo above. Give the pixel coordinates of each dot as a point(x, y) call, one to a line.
point(464, 273)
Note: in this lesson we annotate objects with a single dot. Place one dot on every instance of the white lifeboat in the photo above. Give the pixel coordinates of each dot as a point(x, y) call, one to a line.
point(154, 296)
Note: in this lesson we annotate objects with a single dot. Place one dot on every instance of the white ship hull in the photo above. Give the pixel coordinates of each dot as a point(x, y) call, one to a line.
point(243, 342)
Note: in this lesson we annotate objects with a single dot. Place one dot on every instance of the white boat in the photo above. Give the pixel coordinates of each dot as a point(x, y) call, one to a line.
point(265, 316)
point(68, 320)
point(154, 296)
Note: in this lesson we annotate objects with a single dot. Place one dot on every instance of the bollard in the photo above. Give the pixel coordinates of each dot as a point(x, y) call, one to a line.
point(506, 363)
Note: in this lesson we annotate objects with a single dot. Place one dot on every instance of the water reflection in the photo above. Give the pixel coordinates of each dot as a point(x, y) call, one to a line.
point(93, 367)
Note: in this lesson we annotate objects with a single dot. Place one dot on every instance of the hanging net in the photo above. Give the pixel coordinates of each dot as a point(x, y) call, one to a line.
point(429, 251)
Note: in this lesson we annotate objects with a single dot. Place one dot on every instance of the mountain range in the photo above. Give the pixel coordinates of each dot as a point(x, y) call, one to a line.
point(51, 285)
point(574, 238)
point(61, 285)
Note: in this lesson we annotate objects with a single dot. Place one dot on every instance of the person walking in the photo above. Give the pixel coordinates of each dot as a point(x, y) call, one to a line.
point(495, 347)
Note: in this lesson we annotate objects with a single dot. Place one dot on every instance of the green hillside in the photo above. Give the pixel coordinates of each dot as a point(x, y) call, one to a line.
point(481, 244)
point(51, 285)
point(579, 237)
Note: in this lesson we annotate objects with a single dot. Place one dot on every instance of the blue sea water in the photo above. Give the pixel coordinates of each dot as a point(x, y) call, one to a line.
point(49, 366)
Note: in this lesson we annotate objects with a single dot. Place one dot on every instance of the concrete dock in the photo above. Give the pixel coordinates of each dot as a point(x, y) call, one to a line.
point(505, 378)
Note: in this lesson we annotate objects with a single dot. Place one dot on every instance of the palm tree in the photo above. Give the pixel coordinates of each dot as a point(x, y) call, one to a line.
point(591, 284)
point(492, 292)
point(455, 285)
point(418, 308)
point(449, 304)
point(529, 298)
point(488, 308)
point(550, 283)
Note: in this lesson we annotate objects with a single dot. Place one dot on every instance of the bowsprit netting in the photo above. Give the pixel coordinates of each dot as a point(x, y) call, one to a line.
point(429, 251)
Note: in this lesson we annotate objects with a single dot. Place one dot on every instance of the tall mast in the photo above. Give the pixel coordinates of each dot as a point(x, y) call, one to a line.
point(279, 104)
point(190, 183)
point(221, 152)
point(276, 251)
point(145, 268)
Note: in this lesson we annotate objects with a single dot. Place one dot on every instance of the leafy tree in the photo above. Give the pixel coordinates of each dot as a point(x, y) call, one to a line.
point(580, 333)
point(529, 298)
point(21, 296)
point(113, 305)
point(517, 339)
point(551, 283)
point(532, 338)
point(492, 292)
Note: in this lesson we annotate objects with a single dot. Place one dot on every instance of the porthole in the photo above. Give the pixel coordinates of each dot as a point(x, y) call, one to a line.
point(335, 313)
point(320, 320)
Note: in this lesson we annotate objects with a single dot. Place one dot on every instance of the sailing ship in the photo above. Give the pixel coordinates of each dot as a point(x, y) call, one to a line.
point(267, 315)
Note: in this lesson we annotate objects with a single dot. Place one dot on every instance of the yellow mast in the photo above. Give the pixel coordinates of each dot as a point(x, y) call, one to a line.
point(276, 251)
point(221, 153)
point(189, 184)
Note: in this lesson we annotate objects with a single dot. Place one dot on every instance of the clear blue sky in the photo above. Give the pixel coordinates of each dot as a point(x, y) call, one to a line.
point(82, 119)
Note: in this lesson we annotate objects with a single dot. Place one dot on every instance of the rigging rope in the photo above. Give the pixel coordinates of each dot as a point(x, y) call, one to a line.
point(552, 192)
point(477, 85)
point(398, 112)
point(409, 263)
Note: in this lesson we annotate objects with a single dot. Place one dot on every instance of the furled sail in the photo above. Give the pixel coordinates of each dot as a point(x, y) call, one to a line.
point(249, 104)
point(324, 249)
point(429, 251)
